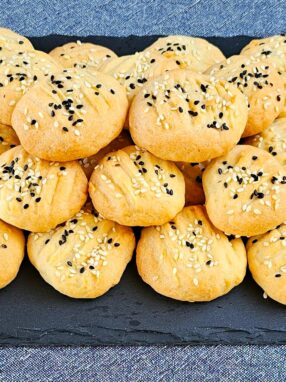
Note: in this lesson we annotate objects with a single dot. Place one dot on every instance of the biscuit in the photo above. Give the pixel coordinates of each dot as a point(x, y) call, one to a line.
point(272, 49)
point(189, 52)
point(19, 71)
point(137, 69)
point(245, 191)
point(83, 258)
point(193, 172)
point(188, 259)
point(12, 246)
point(185, 116)
point(134, 188)
point(12, 41)
point(82, 55)
point(272, 139)
point(37, 195)
point(70, 115)
point(261, 84)
point(8, 138)
point(267, 262)
point(89, 163)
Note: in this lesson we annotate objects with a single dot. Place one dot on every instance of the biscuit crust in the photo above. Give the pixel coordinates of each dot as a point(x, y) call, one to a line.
point(245, 191)
point(70, 115)
point(267, 262)
point(189, 52)
point(85, 257)
point(134, 188)
point(272, 140)
point(12, 249)
point(82, 55)
point(261, 84)
point(37, 195)
point(188, 259)
point(19, 71)
point(186, 116)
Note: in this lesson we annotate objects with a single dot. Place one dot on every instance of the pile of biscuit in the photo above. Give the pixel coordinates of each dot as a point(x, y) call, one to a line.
point(178, 140)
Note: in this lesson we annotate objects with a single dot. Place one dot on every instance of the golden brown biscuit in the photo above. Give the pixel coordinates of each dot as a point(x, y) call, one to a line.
point(19, 71)
point(193, 173)
point(189, 259)
point(37, 195)
point(134, 188)
point(83, 258)
point(13, 41)
point(267, 262)
point(185, 116)
point(70, 115)
point(82, 55)
point(189, 52)
point(245, 191)
point(135, 70)
point(12, 246)
point(89, 163)
point(261, 84)
point(272, 49)
point(272, 139)
point(8, 138)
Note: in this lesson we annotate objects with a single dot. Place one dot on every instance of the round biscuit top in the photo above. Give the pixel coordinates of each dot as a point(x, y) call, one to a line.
point(37, 195)
point(19, 71)
point(70, 115)
point(83, 258)
point(267, 262)
point(272, 139)
point(13, 41)
point(189, 52)
point(245, 191)
point(8, 138)
point(272, 49)
point(261, 84)
point(82, 55)
point(189, 259)
point(134, 188)
point(186, 116)
point(193, 173)
point(12, 249)
point(135, 70)
point(89, 163)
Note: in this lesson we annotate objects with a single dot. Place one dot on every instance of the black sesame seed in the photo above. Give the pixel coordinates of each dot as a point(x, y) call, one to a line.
point(26, 206)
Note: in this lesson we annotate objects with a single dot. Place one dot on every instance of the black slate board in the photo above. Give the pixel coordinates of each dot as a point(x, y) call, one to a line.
point(32, 312)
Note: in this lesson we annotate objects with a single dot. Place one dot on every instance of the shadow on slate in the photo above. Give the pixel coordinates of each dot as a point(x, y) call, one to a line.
point(33, 313)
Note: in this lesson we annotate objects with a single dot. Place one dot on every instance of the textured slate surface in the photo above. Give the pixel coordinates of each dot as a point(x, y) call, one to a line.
point(131, 313)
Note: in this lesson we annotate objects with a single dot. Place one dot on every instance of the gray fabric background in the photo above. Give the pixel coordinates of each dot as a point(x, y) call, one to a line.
point(121, 18)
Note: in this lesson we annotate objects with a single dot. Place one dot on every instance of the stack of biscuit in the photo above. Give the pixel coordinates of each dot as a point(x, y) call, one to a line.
point(177, 140)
